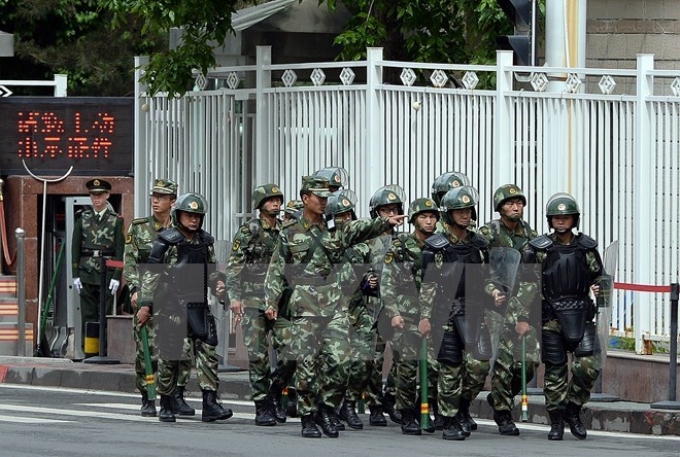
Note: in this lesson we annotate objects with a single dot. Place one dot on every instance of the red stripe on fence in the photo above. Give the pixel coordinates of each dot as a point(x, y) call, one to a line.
point(641, 287)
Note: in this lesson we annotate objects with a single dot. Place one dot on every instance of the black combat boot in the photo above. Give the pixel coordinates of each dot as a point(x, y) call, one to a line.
point(166, 414)
point(438, 421)
point(335, 419)
point(409, 426)
point(323, 420)
point(572, 416)
point(452, 429)
point(291, 407)
point(179, 406)
point(556, 432)
point(275, 407)
point(213, 411)
point(376, 417)
point(467, 420)
point(262, 414)
point(348, 413)
point(389, 404)
point(148, 406)
point(506, 426)
point(309, 428)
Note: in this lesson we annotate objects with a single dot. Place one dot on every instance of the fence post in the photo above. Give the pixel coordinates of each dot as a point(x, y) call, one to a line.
point(141, 167)
point(21, 292)
point(375, 117)
point(672, 403)
point(263, 80)
point(644, 165)
point(60, 85)
point(503, 138)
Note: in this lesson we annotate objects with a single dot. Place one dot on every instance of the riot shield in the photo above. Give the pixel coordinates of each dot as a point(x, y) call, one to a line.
point(504, 265)
point(605, 299)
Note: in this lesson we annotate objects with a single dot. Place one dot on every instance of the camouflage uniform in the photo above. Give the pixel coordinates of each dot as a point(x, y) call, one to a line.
point(565, 396)
point(309, 258)
point(181, 265)
point(95, 236)
point(506, 376)
point(462, 367)
point(142, 233)
point(253, 246)
point(401, 281)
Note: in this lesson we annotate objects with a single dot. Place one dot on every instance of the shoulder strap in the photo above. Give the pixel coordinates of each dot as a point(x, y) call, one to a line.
point(586, 241)
point(541, 242)
point(436, 242)
point(171, 236)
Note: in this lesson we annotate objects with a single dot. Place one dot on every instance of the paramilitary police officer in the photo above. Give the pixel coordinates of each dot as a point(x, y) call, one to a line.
point(308, 258)
point(142, 233)
point(98, 234)
point(400, 289)
point(292, 210)
point(510, 231)
point(337, 177)
point(180, 268)
point(452, 296)
point(386, 201)
point(253, 247)
point(569, 267)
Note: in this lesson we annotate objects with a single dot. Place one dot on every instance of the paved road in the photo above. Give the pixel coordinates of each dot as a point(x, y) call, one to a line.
point(68, 422)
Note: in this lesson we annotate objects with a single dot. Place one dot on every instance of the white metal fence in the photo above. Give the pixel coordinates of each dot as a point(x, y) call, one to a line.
point(575, 130)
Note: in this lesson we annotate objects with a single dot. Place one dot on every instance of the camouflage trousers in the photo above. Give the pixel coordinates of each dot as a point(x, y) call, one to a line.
point(322, 348)
point(465, 380)
point(374, 388)
point(558, 388)
point(140, 363)
point(206, 367)
point(506, 374)
point(256, 330)
point(407, 345)
point(362, 348)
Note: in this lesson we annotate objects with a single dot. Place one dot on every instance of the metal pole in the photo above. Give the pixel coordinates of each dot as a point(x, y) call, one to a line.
point(672, 403)
point(21, 291)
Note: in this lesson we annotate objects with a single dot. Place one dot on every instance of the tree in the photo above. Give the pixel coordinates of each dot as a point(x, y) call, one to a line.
point(205, 24)
point(73, 37)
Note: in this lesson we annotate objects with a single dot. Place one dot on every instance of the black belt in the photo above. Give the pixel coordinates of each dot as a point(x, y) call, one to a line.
point(95, 253)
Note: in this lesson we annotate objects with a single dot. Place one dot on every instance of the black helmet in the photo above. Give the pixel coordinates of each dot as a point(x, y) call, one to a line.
point(341, 201)
point(337, 177)
point(446, 182)
point(562, 204)
point(189, 203)
point(459, 198)
point(387, 195)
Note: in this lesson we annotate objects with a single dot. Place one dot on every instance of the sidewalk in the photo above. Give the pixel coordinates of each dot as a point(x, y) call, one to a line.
point(608, 416)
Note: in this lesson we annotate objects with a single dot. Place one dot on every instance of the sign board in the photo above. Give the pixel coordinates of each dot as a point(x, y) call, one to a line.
point(94, 135)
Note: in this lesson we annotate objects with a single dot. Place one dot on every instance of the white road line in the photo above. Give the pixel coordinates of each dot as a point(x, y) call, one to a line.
point(31, 420)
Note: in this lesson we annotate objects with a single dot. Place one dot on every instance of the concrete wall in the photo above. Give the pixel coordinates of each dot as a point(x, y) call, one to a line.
point(618, 30)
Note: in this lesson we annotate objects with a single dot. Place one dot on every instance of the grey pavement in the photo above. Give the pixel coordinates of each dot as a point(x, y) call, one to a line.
point(615, 416)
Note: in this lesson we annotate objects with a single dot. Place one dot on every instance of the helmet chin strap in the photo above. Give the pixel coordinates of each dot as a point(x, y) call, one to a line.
point(272, 213)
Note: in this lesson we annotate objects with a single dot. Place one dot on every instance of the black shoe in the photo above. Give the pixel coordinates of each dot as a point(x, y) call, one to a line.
point(309, 428)
point(467, 420)
point(335, 420)
point(506, 426)
point(556, 432)
point(148, 406)
point(463, 424)
point(572, 416)
point(348, 413)
point(409, 426)
point(323, 420)
point(179, 406)
point(452, 429)
point(213, 411)
point(291, 407)
point(389, 403)
point(275, 407)
point(263, 416)
point(166, 414)
point(376, 417)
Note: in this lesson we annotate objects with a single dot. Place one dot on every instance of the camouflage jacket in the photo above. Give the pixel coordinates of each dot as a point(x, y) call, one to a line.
point(355, 273)
point(429, 287)
point(402, 277)
point(90, 235)
point(140, 237)
point(154, 276)
point(311, 259)
point(498, 235)
point(251, 252)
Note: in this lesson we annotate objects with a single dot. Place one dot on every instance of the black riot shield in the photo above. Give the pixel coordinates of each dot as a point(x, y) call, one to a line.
point(605, 299)
point(504, 265)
